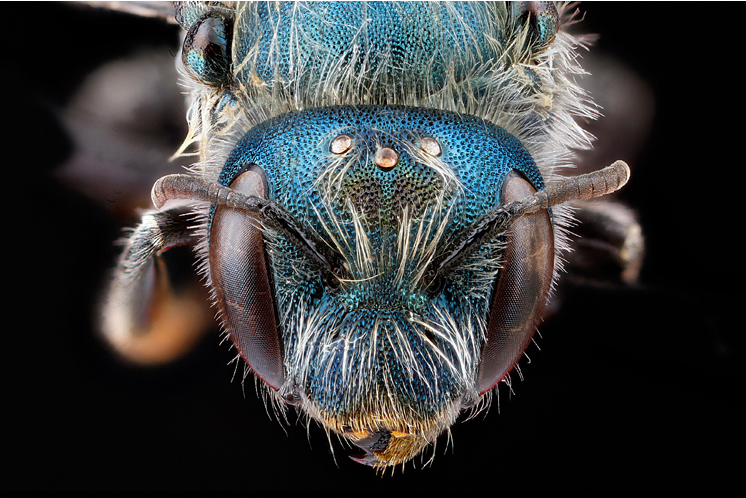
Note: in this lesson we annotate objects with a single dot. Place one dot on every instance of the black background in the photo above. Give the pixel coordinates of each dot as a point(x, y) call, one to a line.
point(634, 387)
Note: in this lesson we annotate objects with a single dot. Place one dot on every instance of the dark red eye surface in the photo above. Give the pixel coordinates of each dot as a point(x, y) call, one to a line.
point(522, 288)
point(238, 269)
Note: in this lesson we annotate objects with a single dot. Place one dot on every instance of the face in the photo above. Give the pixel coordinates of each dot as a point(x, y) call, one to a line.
point(380, 347)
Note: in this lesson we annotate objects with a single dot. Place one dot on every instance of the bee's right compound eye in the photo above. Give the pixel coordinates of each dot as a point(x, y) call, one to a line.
point(240, 279)
point(207, 49)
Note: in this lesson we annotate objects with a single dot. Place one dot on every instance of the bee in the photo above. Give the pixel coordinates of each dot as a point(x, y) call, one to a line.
point(378, 202)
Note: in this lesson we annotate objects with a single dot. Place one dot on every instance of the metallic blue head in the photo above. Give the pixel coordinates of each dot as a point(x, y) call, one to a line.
point(384, 353)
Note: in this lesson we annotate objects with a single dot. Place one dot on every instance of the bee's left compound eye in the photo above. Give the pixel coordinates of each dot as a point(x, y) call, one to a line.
point(522, 287)
point(207, 49)
point(240, 278)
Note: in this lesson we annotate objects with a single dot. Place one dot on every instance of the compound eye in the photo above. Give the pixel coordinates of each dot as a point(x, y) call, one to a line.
point(207, 49)
point(522, 287)
point(241, 283)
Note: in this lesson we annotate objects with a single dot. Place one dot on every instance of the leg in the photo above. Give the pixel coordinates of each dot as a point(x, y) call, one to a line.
point(155, 309)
